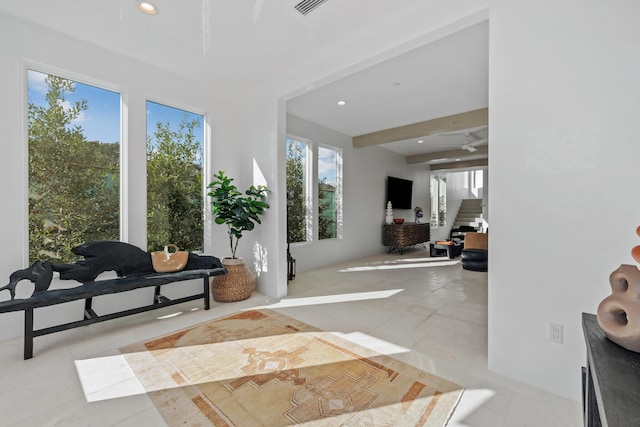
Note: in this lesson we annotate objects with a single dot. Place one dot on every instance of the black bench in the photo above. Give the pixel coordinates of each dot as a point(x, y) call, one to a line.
point(134, 269)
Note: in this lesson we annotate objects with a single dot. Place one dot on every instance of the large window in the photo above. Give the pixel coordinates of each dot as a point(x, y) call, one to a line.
point(307, 221)
point(329, 198)
point(175, 189)
point(438, 201)
point(297, 194)
point(74, 165)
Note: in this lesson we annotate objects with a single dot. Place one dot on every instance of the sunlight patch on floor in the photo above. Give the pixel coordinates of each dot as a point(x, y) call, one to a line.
point(332, 299)
point(399, 266)
point(111, 377)
point(407, 260)
point(169, 316)
point(378, 345)
point(108, 377)
point(471, 400)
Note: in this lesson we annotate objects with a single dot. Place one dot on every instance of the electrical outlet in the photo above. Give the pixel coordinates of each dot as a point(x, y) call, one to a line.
point(555, 333)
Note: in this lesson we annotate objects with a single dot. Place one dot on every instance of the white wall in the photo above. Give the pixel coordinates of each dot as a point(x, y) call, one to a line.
point(364, 185)
point(247, 144)
point(248, 153)
point(247, 120)
point(564, 103)
point(564, 96)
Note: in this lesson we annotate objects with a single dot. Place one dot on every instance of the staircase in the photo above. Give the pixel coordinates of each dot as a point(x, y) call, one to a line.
point(470, 213)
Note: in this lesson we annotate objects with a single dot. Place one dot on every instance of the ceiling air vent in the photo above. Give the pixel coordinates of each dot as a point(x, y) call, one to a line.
point(306, 6)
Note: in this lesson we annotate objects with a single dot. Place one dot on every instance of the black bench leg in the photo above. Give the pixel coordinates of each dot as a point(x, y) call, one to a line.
point(88, 311)
point(207, 296)
point(156, 295)
point(28, 333)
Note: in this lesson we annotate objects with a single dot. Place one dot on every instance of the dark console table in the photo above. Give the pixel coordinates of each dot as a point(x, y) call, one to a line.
point(611, 380)
point(400, 236)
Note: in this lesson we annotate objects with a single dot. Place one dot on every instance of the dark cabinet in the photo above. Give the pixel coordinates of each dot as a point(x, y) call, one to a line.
point(400, 236)
point(611, 380)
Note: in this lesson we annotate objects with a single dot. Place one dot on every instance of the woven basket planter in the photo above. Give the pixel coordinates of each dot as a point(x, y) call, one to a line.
point(236, 285)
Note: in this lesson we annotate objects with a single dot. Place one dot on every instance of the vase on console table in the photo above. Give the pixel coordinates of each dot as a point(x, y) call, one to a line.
point(418, 213)
point(389, 217)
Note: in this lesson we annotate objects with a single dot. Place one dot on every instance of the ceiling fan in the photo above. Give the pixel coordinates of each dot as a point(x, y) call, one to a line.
point(471, 145)
point(471, 140)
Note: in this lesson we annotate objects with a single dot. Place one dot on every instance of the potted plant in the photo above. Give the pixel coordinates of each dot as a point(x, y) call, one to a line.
point(240, 212)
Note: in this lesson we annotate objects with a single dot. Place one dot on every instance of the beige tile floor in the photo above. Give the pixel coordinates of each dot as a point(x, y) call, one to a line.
point(427, 312)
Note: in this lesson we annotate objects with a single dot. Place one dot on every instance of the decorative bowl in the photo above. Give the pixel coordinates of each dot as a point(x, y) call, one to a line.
point(398, 220)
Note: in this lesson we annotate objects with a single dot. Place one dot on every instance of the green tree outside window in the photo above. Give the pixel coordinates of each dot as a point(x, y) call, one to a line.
point(296, 194)
point(74, 183)
point(175, 212)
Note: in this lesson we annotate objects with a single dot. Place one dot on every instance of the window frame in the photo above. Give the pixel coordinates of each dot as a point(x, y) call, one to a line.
point(312, 190)
point(338, 194)
point(440, 182)
point(310, 202)
point(128, 186)
point(29, 65)
point(207, 243)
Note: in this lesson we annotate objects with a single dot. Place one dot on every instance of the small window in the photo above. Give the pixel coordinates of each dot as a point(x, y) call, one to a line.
point(175, 191)
point(297, 195)
point(74, 165)
point(438, 190)
point(477, 180)
point(329, 192)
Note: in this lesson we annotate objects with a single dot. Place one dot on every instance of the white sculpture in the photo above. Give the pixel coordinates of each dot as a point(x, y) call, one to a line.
point(389, 217)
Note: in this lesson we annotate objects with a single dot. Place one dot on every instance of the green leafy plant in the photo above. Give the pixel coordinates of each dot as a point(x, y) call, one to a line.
point(229, 206)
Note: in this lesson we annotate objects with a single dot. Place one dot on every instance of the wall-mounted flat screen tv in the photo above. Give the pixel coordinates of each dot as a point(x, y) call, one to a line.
point(399, 192)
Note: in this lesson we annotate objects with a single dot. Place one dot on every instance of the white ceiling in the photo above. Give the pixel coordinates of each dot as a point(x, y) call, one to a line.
point(257, 40)
point(445, 77)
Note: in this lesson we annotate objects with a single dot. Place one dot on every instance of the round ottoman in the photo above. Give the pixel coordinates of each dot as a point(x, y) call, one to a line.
point(474, 259)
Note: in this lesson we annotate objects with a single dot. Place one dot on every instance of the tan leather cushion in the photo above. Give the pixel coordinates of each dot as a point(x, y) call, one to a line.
point(476, 241)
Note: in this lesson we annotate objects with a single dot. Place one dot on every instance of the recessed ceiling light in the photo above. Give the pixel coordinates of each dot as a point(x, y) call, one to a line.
point(457, 160)
point(342, 102)
point(147, 7)
point(420, 141)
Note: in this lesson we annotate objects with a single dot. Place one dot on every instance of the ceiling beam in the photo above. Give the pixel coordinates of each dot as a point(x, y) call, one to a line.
point(461, 121)
point(454, 154)
point(460, 165)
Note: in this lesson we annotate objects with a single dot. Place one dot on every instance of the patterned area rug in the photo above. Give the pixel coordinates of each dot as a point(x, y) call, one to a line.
point(261, 368)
